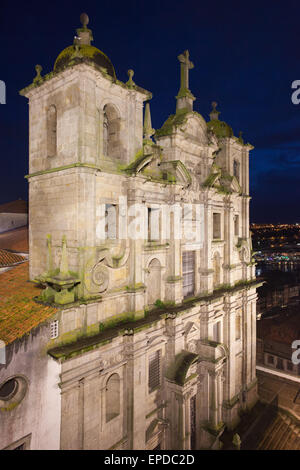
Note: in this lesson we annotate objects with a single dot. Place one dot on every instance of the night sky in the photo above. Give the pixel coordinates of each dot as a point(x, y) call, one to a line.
point(246, 56)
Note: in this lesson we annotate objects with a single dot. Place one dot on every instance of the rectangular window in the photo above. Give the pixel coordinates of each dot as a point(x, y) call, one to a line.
point(279, 364)
point(153, 224)
point(188, 273)
point(54, 329)
point(111, 221)
point(154, 371)
point(270, 359)
point(236, 225)
point(216, 226)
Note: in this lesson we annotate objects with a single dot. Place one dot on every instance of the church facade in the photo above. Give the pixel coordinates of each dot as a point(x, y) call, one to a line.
point(140, 239)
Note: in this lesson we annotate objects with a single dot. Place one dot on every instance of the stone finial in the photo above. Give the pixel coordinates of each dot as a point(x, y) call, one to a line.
point(38, 69)
point(241, 140)
point(64, 267)
point(130, 82)
point(84, 20)
point(84, 35)
point(236, 441)
point(148, 131)
point(214, 114)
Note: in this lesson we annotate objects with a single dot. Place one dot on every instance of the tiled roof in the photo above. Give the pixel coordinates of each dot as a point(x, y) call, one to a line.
point(16, 240)
point(14, 207)
point(9, 259)
point(19, 313)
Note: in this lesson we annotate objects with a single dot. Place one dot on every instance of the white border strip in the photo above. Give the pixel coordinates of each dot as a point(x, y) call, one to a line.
point(279, 374)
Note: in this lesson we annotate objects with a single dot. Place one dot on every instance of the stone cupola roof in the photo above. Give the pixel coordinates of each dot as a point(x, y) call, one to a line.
point(83, 51)
point(219, 128)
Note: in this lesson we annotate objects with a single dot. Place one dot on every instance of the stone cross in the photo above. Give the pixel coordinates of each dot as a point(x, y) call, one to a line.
point(185, 66)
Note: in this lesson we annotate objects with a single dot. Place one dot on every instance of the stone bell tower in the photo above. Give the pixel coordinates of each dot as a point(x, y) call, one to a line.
point(83, 122)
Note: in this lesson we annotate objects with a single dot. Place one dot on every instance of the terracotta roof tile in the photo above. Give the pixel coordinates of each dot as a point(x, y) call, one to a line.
point(9, 259)
point(16, 240)
point(19, 313)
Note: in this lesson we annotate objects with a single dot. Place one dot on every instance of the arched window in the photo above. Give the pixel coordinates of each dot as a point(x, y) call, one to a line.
point(111, 133)
point(105, 134)
point(51, 131)
point(112, 394)
point(236, 169)
point(217, 270)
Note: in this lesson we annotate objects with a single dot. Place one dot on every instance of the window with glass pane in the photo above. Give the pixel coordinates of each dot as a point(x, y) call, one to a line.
point(188, 273)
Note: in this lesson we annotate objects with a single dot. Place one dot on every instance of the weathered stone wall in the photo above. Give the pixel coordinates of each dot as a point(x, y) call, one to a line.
point(38, 413)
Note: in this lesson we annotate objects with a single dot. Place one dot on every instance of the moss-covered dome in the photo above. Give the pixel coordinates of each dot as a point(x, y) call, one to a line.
point(84, 52)
point(220, 128)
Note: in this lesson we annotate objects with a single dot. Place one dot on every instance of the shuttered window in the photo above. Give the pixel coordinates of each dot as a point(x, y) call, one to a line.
point(154, 371)
point(188, 273)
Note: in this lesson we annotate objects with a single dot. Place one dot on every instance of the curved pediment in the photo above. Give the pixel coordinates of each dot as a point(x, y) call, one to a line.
point(195, 128)
point(190, 123)
point(177, 170)
point(180, 370)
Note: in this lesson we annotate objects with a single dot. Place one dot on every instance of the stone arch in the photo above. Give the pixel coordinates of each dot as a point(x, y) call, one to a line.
point(112, 396)
point(154, 281)
point(217, 269)
point(236, 169)
point(51, 131)
point(111, 132)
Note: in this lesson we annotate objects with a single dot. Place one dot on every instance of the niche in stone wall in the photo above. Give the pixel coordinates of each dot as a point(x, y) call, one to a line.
point(112, 145)
point(112, 395)
point(217, 269)
point(154, 281)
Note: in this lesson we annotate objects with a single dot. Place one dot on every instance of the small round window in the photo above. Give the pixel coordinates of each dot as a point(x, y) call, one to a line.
point(12, 392)
point(8, 389)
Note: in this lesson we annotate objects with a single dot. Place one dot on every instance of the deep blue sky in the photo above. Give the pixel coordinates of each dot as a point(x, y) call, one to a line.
point(246, 55)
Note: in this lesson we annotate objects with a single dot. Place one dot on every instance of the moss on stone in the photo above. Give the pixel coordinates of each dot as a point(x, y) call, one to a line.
point(174, 121)
point(220, 128)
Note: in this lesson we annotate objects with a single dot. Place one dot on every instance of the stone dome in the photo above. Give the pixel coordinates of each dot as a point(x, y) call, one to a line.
point(220, 128)
point(83, 53)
